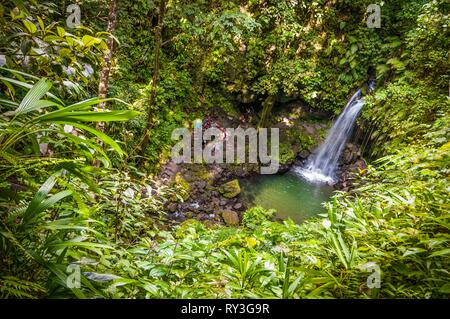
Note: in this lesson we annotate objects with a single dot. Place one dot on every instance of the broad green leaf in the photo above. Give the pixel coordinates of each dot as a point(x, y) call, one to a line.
point(39, 202)
point(30, 26)
point(41, 23)
point(445, 288)
point(41, 194)
point(51, 38)
point(28, 86)
point(90, 40)
point(33, 96)
point(83, 105)
point(41, 104)
point(93, 101)
point(80, 141)
point(442, 252)
point(83, 244)
point(112, 116)
point(9, 103)
point(105, 138)
point(413, 251)
point(47, 203)
point(44, 205)
point(61, 32)
point(16, 72)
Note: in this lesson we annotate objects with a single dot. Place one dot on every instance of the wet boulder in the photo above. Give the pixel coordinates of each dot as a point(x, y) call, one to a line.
point(230, 189)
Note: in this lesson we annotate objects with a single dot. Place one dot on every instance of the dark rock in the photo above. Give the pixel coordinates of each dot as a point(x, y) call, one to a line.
point(229, 207)
point(214, 193)
point(214, 203)
point(347, 157)
point(172, 167)
point(284, 168)
point(223, 202)
point(201, 185)
point(172, 207)
point(238, 206)
point(169, 170)
point(216, 171)
point(201, 216)
point(303, 154)
point(177, 216)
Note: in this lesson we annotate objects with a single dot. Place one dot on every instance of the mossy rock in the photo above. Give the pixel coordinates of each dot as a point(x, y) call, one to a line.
point(199, 172)
point(231, 218)
point(230, 189)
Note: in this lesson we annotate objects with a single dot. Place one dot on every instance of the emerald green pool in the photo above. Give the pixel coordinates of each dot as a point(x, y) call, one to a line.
point(290, 195)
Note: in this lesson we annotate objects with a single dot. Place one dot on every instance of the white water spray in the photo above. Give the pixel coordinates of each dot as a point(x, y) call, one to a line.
point(321, 165)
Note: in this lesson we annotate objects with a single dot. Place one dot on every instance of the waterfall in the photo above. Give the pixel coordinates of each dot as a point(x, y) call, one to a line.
point(321, 165)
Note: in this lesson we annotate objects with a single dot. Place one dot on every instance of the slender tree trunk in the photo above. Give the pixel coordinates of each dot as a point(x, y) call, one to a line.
point(267, 109)
point(104, 76)
point(156, 64)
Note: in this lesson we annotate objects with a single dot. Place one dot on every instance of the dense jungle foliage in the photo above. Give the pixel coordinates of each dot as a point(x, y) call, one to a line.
point(79, 188)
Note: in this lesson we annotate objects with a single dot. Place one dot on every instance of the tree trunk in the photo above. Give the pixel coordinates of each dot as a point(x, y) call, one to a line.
point(267, 109)
point(104, 76)
point(156, 61)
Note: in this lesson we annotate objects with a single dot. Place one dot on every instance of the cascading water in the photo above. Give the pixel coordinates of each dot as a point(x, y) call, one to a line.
point(321, 165)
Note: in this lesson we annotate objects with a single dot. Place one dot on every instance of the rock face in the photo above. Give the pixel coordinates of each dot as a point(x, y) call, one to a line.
point(206, 191)
point(201, 185)
point(303, 154)
point(230, 189)
point(351, 154)
point(169, 171)
point(230, 217)
point(352, 165)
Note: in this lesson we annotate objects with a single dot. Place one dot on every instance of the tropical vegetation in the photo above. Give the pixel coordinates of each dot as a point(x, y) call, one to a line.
point(80, 192)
